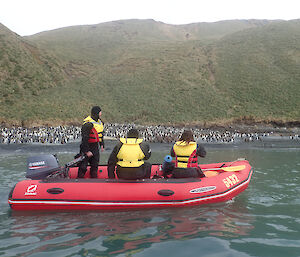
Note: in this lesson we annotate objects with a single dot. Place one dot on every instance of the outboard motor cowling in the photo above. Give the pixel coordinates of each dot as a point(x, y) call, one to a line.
point(41, 166)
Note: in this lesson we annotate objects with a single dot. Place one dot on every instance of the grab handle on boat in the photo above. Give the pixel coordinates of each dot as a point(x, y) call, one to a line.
point(165, 192)
point(55, 190)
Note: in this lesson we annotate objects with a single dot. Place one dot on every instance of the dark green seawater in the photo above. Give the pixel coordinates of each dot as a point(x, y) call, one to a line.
point(262, 221)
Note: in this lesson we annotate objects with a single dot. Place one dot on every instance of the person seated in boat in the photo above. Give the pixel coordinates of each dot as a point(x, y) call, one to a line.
point(129, 155)
point(186, 152)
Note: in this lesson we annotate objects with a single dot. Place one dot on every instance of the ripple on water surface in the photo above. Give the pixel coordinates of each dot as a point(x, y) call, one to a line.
point(263, 221)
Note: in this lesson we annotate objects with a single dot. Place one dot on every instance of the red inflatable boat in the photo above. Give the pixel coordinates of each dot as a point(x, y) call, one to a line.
point(223, 181)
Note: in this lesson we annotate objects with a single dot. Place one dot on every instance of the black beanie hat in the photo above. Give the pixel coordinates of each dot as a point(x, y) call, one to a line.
point(133, 133)
point(95, 111)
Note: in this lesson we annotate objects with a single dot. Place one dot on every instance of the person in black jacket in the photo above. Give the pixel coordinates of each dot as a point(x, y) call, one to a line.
point(92, 140)
point(129, 155)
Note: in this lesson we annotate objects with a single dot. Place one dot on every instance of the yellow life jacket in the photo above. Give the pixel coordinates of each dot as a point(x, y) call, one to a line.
point(130, 153)
point(96, 134)
point(185, 154)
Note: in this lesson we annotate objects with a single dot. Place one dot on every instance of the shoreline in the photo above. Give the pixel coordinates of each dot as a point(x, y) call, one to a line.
point(273, 142)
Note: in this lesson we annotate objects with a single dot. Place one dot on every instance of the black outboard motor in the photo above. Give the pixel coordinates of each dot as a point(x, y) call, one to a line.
point(41, 166)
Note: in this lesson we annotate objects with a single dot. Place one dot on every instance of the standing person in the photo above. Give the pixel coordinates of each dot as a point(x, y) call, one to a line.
point(129, 155)
point(92, 140)
point(186, 152)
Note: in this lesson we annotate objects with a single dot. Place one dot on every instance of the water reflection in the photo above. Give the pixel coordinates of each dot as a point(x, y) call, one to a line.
point(113, 233)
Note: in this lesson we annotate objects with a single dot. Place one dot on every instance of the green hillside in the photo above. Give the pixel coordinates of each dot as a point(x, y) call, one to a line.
point(26, 71)
point(103, 43)
point(259, 69)
point(149, 72)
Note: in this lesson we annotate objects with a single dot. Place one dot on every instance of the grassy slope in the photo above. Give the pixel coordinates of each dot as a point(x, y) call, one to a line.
point(26, 71)
point(150, 72)
point(260, 71)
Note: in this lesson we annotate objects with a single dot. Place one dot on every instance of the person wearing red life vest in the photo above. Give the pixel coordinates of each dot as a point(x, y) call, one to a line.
point(127, 158)
point(92, 140)
point(186, 152)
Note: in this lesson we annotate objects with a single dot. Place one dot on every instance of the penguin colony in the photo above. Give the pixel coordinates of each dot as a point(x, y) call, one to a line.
point(154, 134)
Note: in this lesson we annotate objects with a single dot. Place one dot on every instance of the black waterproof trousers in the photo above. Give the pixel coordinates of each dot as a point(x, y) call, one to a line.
point(93, 161)
point(187, 173)
point(144, 171)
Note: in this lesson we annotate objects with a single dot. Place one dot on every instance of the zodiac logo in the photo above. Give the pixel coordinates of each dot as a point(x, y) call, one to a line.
point(31, 190)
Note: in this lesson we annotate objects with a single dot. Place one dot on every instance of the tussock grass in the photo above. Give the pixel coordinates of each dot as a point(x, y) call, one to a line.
point(153, 73)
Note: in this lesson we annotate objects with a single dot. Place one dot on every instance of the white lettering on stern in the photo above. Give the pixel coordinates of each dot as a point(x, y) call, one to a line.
point(202, 189)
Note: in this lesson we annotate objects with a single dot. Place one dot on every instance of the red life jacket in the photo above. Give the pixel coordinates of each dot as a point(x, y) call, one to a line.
point(94, 137)
point(97, 130)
